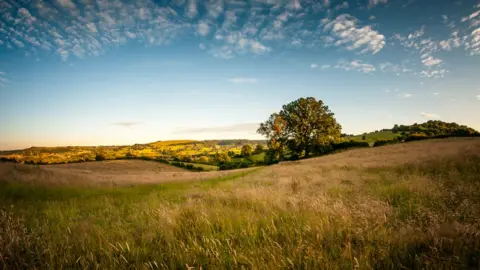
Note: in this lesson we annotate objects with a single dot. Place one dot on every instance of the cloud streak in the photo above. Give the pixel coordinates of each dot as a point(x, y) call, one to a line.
point(355, 65)
point(127, 124)
point(244, 127)
point(429, 115)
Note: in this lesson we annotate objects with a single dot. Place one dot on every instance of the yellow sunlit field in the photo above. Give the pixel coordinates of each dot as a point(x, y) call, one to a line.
point(412, 205)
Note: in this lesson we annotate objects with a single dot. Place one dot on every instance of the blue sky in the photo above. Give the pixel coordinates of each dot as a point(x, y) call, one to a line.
point(90, 72)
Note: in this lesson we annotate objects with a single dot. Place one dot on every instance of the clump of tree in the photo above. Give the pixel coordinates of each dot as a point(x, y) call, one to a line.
point(203, 159)
point(436, 128)
point(223, 158)
point(247, 150)
point(299, 127)
point(258, 149)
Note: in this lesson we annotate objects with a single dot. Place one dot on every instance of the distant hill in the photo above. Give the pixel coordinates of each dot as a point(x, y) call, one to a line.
point(431, 128)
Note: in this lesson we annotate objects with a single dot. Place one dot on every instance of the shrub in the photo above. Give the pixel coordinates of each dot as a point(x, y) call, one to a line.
point(416, 137)
point(385, 142)
point(271, 157)
point(100, 157)
point(349, 144)
point(203, 159)
point(243, 165)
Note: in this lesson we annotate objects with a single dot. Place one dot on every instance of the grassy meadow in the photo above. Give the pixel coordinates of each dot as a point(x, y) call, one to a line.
point(401, 206)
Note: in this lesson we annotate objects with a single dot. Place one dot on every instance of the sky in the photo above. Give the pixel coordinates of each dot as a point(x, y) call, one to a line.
point(111, 72)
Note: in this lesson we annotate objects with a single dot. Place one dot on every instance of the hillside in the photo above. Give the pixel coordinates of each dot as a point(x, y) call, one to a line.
point(409, 205)
point(200, 154)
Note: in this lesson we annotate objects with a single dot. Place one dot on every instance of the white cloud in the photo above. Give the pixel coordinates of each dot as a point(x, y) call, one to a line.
point(191, 9)
point(406, 95)
point(214, 8)
point(91, 26)
point(26, 16)
point(474, 43)
point(345, 31)
point(240, 80)
point(436, 94)
point(394, 68)
point(430, 61)
point(66, 4)
point(478, 96)
point(202, 28)
point(127, 124)
point(434, 74)
point(471, 16)
point(355, 65)
point(372, 3)
point(294, 4)
point(429, 115)
point(313, 66)
point(202, 46)
point(325, 66)
point(344, 5)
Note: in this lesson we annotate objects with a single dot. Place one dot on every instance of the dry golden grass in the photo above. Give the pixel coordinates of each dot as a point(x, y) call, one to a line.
point(102, 173)
point(403, 206)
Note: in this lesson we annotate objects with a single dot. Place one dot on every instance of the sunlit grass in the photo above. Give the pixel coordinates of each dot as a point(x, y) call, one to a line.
point(424, 215)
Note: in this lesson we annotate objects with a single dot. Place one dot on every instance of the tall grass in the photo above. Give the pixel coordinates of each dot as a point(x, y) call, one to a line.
point(413, 216)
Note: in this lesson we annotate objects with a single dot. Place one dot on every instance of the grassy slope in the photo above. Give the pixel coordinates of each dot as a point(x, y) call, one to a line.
point(371, 137)
point(293, 215)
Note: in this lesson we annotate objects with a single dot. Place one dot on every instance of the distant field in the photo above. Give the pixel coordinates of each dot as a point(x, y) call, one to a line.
point(403, 206)
point(375, 136)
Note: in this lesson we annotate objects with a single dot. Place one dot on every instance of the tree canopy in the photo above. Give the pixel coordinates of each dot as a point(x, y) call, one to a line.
point(247, 150)
point(299, 126)
point(436, 128)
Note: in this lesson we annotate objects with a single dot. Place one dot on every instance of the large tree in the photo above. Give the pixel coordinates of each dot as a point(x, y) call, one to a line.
point(300, 125)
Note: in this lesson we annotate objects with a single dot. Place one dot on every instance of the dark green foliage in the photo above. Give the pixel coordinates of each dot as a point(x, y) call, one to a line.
point(385, 142)
point(349, 144)
point(99, 157)
point(258, 149)
point(299, 126)
point(416, 137)
point(272, 156)
point(323, 149)
point(437, 128)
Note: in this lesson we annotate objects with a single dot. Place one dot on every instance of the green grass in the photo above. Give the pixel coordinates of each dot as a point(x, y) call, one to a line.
point(371, 137)
point(258, 157)
point(205, 167)
point(412, 216)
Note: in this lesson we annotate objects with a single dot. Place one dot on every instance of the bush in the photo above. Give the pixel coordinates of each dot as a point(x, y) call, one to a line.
point(99, 157)
point(322, 149)
point(243, 165)
point(271, 157)
point(228, 166)
point(416, 137)
point(385, 142)
point(349, 144)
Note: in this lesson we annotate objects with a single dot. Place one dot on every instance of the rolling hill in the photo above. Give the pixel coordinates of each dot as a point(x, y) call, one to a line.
point(409, 205)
